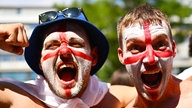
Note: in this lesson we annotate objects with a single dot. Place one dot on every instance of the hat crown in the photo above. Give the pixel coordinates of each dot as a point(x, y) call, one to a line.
point(80, 17)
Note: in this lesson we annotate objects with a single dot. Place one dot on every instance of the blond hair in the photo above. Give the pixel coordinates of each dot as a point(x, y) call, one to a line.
point(141, 14)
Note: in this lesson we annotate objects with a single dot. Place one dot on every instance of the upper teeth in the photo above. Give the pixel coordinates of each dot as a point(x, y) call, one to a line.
point(154, 72)
point(67, 65)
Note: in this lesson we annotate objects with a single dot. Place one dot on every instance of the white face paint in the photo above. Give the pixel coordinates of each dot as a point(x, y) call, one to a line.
point(148, 55)
point(66, 61)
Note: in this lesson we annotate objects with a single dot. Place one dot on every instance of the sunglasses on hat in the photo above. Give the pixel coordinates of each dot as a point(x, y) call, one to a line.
point(66, 13)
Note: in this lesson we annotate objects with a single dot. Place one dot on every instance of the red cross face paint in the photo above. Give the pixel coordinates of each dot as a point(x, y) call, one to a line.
point(63, 49)
point(147, 54)
point(66, 61)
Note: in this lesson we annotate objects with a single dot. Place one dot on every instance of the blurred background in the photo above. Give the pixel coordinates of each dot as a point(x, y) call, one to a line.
point(102, 13)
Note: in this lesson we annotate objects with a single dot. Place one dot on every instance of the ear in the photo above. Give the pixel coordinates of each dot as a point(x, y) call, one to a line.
point(174, 48)
point(120, 55)
point(94, 54)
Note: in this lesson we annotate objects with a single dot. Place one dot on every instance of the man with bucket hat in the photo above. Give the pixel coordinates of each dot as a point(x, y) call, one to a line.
point(65, 50)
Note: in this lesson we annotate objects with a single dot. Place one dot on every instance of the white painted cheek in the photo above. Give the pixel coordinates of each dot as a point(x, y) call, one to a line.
point(48, 64)
point(134, 69)
point(166, 64)
point(166, 59)
point(84, 66)
point(49, 73)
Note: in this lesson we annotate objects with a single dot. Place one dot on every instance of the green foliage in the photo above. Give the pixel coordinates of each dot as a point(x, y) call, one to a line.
point(172, 7)
point(105, 14)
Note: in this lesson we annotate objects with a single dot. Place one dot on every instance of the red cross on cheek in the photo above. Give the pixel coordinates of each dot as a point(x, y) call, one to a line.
point(150, 53)
point(64, 49)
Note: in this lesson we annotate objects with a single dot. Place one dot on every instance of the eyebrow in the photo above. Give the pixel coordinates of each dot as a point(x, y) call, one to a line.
point(73, 39)
point(161, 36)
point(51, 41)
point(134, 40)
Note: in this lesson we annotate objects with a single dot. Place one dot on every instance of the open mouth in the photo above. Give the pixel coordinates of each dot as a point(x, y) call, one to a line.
point(67, 72)
point(152, 80)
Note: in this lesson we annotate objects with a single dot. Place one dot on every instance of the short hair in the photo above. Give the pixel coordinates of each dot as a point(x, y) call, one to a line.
point(141, 14)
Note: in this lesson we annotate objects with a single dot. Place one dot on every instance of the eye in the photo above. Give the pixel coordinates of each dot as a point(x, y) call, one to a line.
point(135, 49)
point(52, 45)
point(161, 46)
point(76, 43)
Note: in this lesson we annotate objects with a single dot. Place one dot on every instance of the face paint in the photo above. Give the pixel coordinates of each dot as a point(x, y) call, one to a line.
point(67, 55)
point(147, 51)
point(64, 49)
point(68, 92)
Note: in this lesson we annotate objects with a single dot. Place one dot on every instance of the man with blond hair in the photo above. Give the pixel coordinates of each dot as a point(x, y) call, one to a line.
point(147, 50)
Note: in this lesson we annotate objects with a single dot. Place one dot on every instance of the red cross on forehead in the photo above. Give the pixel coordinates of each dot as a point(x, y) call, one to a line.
point(62, 37)
point(147, 33)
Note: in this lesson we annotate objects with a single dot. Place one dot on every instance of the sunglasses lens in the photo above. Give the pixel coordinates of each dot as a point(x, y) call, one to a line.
point(48, 16)
point(71, 12)
point(67, 13)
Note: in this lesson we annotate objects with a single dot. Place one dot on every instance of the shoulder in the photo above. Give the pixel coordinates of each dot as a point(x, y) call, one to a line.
point(120, 96)
point(125, 94)
point(10, 90)
point(185, 94)
point(9, 93)
point(184, 85)
point(105, 103)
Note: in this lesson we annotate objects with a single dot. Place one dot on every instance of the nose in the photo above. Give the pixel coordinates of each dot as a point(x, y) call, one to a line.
point(64, 52)
point(150, 56)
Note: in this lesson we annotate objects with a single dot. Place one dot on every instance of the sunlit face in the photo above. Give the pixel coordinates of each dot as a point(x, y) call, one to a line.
point(66, 61)
point(148, 54)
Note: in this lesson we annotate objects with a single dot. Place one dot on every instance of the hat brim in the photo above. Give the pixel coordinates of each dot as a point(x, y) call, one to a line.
point(33, 51)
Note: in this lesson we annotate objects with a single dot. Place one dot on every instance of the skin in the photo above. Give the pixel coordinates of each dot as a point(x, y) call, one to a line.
point(53, 54)
point(189, 78)
point(64, 51)
point(148, 53)
point(13, 37)
point(156, 43)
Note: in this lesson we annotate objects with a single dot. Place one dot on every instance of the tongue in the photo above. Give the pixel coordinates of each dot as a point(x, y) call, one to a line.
point(66, 76)
point(151, 80)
